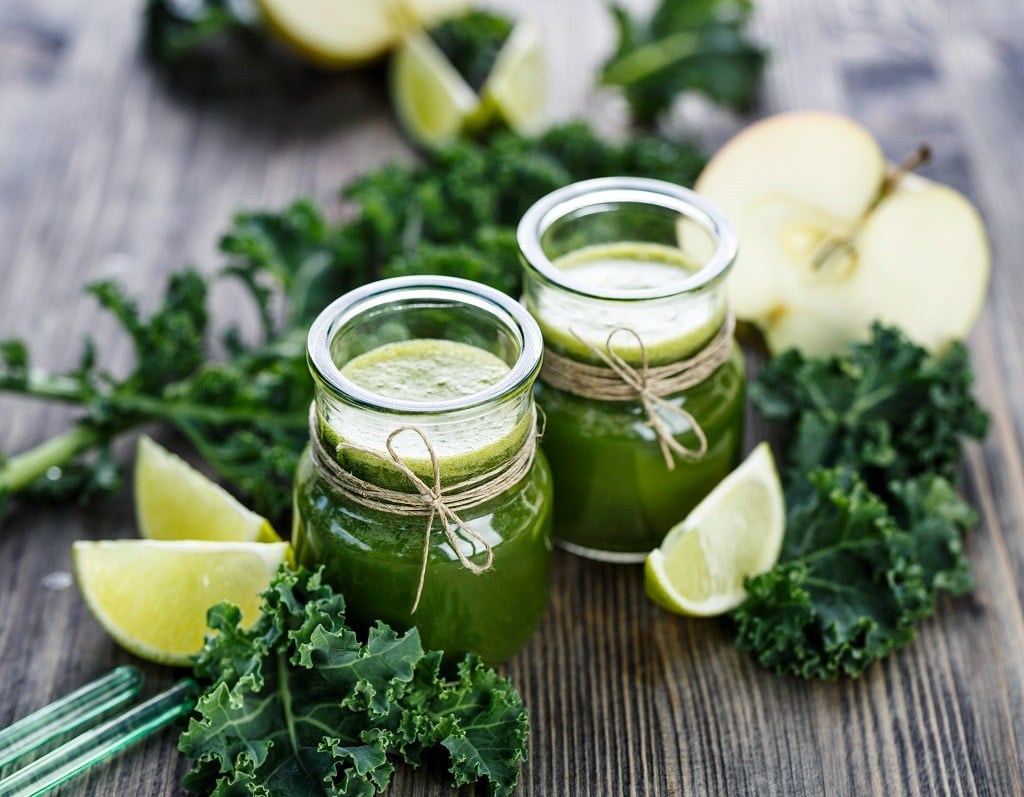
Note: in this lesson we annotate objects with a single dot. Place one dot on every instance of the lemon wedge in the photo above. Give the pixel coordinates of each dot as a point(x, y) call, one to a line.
point(735, 532)
point(152, 596)
point(430, 97)
point(516, 86)
point(435, 104)
point(174, 501)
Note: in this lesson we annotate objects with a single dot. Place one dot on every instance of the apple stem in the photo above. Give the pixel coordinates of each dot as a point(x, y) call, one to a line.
point(915, 160)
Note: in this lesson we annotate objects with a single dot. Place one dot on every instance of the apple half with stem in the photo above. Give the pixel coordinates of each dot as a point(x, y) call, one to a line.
point(833, 239)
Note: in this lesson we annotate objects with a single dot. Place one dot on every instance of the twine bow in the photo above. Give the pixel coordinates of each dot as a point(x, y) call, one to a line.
point(651, 402)
point(433, 496)
point(430, 499)
point(617, 380)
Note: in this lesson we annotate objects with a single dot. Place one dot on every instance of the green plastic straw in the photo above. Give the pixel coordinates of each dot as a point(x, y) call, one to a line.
point(101, 742)
point(69, 714)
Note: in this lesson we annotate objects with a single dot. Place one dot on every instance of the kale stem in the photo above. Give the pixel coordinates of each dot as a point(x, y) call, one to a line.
point(41, 384)
point(161, 409)
point(21, 470)
point(61, 389)
point(651, 58)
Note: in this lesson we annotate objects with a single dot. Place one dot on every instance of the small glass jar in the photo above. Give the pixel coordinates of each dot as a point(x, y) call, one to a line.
point(375, 556)
point(645, 262)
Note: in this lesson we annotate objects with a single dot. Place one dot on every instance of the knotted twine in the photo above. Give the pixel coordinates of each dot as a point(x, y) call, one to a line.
point(430, 500)
point(617, 380)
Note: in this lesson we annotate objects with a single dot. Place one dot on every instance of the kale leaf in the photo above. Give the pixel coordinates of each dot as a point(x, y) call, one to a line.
point(888, 409)
point(874, 524)
point(299, 704)
point(854, 577)
point(686, 45)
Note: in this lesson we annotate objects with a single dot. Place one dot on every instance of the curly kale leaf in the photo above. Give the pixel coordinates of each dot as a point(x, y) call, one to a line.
point(470, 197)
point(479, 719)
point(874, 525)
point(887, 409)
point(299, 704)
point(854, 576)
point(686, 45)
point(471, 43)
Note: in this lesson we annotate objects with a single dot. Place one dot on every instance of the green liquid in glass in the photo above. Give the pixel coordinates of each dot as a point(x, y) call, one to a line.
point(375, 557)
point(615, 497)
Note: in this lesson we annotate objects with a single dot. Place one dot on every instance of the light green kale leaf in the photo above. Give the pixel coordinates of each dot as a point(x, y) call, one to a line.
point(854, 577)
point(887, 409)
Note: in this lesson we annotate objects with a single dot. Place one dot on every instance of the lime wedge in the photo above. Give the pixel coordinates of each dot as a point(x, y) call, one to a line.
point(516, 85)
point(430, 97)
point(344, 32)
point(173, 501)
point(735, 532)
point(152, 596)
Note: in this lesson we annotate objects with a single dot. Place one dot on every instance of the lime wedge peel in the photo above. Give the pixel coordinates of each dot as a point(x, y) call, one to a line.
point(430, 97)
point(174, 501)
point(152, 596)
point(435, 104)
point(735, 532)
point(516, 85)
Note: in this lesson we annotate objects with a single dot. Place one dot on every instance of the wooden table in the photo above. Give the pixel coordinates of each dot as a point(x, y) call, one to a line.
point(105, 171)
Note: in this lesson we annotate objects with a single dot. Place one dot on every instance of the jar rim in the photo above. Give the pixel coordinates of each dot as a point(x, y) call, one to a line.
point(396, 289)
point(621, 190)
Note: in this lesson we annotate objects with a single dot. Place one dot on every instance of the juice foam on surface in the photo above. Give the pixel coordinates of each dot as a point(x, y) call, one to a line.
point(674, 330)
point(426, 370)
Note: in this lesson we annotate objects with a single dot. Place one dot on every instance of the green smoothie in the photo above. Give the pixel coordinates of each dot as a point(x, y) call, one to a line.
point(615, 496)
point(375, 557)
point(425, 370)
point(627, 268)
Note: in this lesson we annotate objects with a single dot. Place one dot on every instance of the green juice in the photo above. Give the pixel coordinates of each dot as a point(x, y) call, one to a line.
point(375, 557)
point(615, 498)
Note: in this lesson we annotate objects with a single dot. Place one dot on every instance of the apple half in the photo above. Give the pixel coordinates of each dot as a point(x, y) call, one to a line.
point(831, 240)
point(337, 33)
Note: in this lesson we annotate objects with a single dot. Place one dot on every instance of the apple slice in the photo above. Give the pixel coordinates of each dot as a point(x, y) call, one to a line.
point(336, 33)
point(831, 240)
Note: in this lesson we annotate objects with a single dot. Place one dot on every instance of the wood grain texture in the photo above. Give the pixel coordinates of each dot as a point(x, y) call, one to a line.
point(105, 170)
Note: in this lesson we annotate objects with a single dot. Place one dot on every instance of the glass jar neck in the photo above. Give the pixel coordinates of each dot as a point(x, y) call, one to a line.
point(468, 435)
point(643, 255)
point(671, 329)
point(465, 443)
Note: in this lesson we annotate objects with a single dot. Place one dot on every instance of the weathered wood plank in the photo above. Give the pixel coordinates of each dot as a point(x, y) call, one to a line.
point(105, 171)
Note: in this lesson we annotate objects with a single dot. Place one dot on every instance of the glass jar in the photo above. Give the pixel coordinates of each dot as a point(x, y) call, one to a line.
point(374, 553)
point(629, 274)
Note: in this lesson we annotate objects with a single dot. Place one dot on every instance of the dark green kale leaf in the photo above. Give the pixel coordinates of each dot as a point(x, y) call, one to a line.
point(888, 409)
point(854, 576)
point(298, 704)
point(471, 195)
point(686, 45)
point(491, 258)
point(471, 43)
point(874, 525)
point(175, 29)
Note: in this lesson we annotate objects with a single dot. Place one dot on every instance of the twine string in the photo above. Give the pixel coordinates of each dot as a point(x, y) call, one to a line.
point(618, 380)
point(432, 500)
